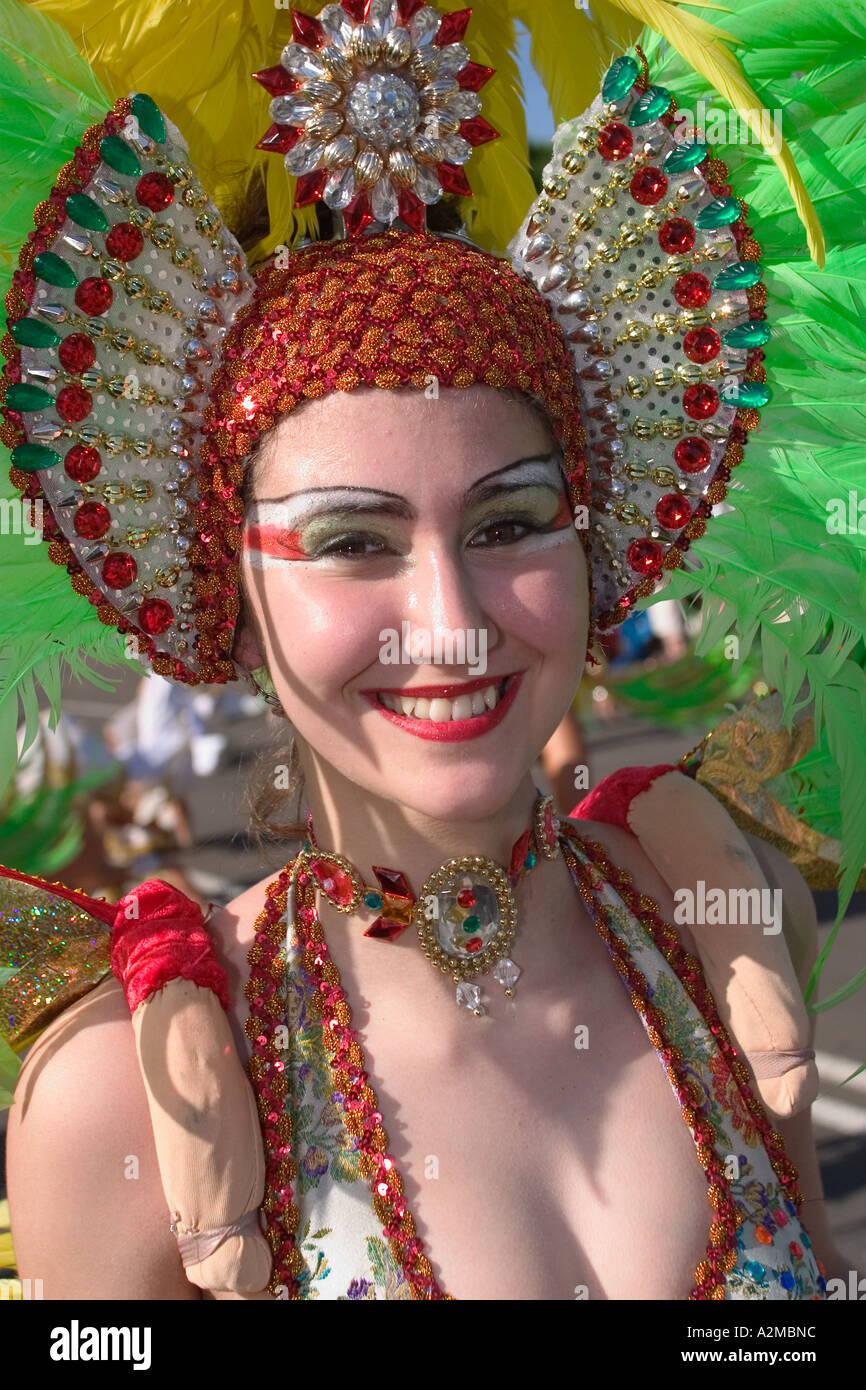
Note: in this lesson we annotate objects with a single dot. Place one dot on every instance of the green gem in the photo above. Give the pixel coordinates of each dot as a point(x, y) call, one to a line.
point(86, 212)
point(471, 924)
point(750, 395)
point(29, 457)
point(719, 213)
point(738, 276)
point(55, 270)
point(529, 861)
point(119, 157)
point(149, 117)
point(683, 157)
point(373, 900)
point(654, 103)
point(619, 79)
point(748, 335)
point(21, 396)
point(33, 333)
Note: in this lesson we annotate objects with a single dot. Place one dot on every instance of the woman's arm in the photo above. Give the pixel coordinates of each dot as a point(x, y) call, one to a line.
point(89, 1217)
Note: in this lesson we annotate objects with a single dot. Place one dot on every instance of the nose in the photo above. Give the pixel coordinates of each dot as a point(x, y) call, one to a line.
point(442, 596)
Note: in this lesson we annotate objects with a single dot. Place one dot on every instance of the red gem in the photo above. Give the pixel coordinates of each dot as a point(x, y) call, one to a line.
point(692, 290)
point(615, 141)
point(307, 30)
point(73, 403)
point(474, 944)
point(702, 344)
point(384, 929)
point(92, 520)
point(279, 139)
point(692, 455)
point(452, 27)
point(77, 352)
point(124, 241)
point(310, 187)
point(406, 8)
point(119, 570)
point(518, 854)
point(335, 883)
point(676, 236)
point(94, 295)
point(476, 130)
point(453, 179)
point(648, 186)
point(700, 402)
point(154, 191)
point(357, 214)
point(393, 883)
point(473, 76)
point(673, 511)
point(82, 463)
point(276, 80)
point(644, 556)
point(411, 210)
point(466, 898)
point(155, 616)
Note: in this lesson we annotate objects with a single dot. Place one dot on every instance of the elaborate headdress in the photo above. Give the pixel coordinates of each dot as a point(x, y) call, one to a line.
point(145, 358)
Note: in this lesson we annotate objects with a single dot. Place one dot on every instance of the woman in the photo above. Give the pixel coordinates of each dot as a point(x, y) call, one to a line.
point(413, 1167)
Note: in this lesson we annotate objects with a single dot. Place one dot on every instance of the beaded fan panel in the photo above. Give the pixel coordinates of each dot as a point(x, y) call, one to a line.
point(645, 257)
point(123, 294)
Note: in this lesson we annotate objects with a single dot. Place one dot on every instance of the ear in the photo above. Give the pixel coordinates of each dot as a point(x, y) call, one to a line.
point(246, 651)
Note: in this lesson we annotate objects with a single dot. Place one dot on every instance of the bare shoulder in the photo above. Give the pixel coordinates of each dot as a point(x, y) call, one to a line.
point(88, 1213)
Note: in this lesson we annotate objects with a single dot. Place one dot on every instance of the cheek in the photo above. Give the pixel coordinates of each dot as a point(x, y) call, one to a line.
point(543, 605)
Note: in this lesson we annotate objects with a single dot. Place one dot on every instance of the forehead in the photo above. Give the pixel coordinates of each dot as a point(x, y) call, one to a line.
point(405, 441)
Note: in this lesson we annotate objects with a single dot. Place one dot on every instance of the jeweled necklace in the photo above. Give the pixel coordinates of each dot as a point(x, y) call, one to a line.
point(465, 914)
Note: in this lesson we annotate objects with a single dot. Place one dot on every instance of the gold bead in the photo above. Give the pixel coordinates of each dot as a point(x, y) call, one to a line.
point(669, 427)
point(556, 187)
point(584, 220)
point(693, 318)
point(678, 264)
point(635, 471)
point(690, 373)
point(573, 162)
point(629, 514)
point(637, 387)
point(630, 234)
point(664, 378)
point(636, 330)
point(664, 477)
point(652, 277)
point(666, 323)
point(627, 291)
point(642, 429)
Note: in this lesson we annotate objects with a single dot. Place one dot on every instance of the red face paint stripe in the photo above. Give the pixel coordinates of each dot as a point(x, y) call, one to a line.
point(276, 541)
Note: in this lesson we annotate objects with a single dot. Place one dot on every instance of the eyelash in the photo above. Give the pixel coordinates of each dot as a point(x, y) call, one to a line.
point(337, 547)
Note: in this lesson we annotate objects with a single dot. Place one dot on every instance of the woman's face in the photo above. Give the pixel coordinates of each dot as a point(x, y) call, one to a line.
point(419, 590)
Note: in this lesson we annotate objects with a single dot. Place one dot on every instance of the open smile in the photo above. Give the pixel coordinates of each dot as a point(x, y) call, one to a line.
point(448, 713)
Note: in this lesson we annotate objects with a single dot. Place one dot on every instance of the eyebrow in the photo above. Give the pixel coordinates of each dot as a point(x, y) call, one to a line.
point(532, 471)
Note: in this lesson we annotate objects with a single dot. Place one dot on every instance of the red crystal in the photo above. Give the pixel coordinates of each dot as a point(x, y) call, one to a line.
point(406, 9)
point(310, 187)
point(77, 352)
point(692, 290)
point(453, 180)
point(73, 403)
point(518, 854)
point(334, 881)
point(119, 570)
point(386, 929)
point(700, 402)
point(702, 344)
point(466, 898)
point(692, 455)
point(676, 236)
point(476, 130)
point(92, 520)
point(155, 615)
point(411, 210)
point(473, 76)
point(154, 191)
point(452, 27)
point(94, 295)
point(82, 463)
point(279, 139)
point(615, 141)
point(307, 30)
point(474, 944)
point(124, 242)
point(645, 557)
point(648, 186)
point(673, 511)
point(393, 883)
point(276, 80)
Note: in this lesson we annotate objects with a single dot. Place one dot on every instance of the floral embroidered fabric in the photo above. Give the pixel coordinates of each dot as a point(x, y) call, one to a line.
point(757, 1247)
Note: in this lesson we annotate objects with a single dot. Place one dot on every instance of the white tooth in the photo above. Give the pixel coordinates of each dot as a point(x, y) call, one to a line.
point(461, 708)
point(389, 702)
point(422, 709)
point(478, 705)
point(490, 697)
point(440, 711)
point(407, 703)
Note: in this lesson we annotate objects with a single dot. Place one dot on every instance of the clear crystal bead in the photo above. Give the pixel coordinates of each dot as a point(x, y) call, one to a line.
point(424, 25)
point(427, 186)
point(457, 150)
point(382, 16)
point(383, 201)
point(336, 23)
point(469, 997)
point(292, 110)
point(302, 61)
point(506, 973)
point(304, 157)
point(384, 109)
point(340, 188)
point(454, 58)
point(464, 104)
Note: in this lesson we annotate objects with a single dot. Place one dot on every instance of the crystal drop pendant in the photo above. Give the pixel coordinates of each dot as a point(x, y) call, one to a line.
point(469, 997)
point(506, 973)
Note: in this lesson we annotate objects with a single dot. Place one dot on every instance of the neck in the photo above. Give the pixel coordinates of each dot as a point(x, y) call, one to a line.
point(368, 829)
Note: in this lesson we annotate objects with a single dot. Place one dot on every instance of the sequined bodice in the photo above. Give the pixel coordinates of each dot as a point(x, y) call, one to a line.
point(354, 1238)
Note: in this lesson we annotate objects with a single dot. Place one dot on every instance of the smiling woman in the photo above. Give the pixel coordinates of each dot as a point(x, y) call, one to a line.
point(399, 481)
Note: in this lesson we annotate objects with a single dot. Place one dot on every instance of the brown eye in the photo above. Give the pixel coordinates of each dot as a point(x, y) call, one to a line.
point(505, 532)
